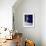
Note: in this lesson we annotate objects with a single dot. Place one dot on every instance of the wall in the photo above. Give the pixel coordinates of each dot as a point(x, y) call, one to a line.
point(33, 33)
point(43, 22)
point(6, 13)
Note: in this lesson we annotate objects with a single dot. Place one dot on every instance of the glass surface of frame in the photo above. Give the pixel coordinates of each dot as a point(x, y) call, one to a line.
point(28, 20)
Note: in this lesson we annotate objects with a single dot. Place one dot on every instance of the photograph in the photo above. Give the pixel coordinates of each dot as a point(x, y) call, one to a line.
point(28, 20)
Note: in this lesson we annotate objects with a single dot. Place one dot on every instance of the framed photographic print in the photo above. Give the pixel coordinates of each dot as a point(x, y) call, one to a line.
point(28, 20)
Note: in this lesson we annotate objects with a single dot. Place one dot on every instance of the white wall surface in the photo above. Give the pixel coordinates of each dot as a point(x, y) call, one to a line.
point(43, 22)
point(26, 6)
point(6, 13)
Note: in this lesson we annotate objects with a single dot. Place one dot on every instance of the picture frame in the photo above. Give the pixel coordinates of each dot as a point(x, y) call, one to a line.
point(28, 20)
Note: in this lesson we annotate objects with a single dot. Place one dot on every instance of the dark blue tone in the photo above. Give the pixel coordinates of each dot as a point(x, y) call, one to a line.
point(29, 18)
